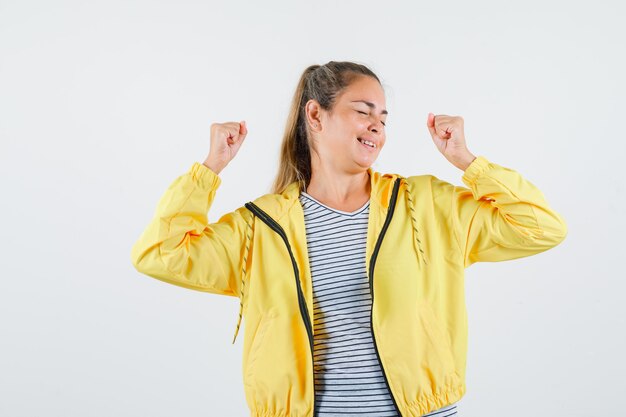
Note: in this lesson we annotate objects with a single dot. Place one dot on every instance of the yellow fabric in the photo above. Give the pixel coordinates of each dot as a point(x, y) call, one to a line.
point(419, 317)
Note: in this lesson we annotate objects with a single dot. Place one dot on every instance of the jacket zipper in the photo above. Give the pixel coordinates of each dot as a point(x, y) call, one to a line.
point(392, 206)
point(301, 301)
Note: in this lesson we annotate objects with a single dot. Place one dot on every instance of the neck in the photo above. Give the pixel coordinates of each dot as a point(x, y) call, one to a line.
point(338, 187)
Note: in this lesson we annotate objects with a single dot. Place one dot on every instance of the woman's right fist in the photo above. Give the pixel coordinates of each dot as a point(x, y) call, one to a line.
point(226, 139)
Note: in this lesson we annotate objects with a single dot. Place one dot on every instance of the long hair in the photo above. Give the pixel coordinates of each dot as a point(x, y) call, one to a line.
point(323, 83)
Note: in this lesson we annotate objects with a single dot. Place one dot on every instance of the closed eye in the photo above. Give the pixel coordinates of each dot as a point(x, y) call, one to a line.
point(362, 112)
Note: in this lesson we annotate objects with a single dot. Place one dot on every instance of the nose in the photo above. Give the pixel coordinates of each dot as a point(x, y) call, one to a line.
point(376, 127)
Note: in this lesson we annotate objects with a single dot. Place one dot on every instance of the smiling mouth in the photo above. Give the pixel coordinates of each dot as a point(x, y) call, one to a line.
point(367, 143)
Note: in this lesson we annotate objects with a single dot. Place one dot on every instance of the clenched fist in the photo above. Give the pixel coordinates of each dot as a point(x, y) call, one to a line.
point(226, 139)
point(449, 137)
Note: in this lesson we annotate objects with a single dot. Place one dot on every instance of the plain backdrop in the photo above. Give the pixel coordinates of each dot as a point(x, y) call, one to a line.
point(104, 103)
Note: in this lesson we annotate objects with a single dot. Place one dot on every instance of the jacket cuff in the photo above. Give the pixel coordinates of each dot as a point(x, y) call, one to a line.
point(475, 169)
point(204, 177)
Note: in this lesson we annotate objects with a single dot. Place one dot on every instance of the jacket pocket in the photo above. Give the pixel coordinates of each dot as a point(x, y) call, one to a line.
point(256, 343)
point(439, 338)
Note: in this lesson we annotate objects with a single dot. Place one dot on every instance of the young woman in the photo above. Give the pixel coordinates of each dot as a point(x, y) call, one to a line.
point(351, 281)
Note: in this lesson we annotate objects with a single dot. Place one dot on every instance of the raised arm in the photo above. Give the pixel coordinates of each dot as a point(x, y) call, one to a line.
point(180, 247)
point(501, 215)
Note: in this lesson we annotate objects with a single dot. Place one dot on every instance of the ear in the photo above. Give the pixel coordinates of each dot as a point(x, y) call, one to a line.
point(313, 115)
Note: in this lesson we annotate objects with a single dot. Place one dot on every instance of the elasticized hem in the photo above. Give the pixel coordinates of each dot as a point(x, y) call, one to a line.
point(475, 169)
point(431, 403)
point(204, 176)
point(274, 414)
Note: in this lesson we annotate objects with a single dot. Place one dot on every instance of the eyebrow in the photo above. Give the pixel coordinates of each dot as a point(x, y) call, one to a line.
point(370, 105)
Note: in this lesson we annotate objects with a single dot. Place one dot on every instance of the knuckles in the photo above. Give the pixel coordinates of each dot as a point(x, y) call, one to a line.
point(448, 120)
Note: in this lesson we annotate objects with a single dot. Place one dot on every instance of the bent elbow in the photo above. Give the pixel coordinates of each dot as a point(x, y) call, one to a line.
point(139, 258)
point(561, 231)
point(557, 230)
point(550, 229)
point(135, 260)
point(552, 232)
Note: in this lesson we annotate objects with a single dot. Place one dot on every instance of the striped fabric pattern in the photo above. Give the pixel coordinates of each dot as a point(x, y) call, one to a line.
point(349, 380)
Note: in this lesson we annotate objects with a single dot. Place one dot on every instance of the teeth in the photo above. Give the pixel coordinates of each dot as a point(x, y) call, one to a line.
point(367, 142)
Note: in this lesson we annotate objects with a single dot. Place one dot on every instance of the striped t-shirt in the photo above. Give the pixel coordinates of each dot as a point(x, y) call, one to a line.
point(349, 380)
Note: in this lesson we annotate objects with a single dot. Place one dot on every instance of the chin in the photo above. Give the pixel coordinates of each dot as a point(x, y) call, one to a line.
point(366, 164)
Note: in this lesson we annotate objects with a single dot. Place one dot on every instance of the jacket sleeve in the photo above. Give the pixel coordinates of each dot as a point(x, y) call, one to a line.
point(180, 247)
point(501, 216)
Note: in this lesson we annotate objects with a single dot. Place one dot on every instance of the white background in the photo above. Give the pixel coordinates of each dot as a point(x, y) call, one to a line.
point(104, 104)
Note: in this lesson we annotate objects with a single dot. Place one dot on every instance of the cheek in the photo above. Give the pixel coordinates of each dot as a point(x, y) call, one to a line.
point(357, 124)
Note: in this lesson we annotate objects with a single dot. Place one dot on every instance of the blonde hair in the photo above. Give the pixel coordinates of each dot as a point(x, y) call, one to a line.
point(323, 83)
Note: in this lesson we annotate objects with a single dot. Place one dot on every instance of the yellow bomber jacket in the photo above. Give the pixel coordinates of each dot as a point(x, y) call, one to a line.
point(422, 233)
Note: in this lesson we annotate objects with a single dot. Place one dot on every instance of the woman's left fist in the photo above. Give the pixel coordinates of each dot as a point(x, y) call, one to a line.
point(449, 137)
